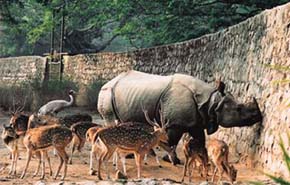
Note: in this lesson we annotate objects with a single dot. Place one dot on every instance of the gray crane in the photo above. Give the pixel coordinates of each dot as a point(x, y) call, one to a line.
point(54, 106)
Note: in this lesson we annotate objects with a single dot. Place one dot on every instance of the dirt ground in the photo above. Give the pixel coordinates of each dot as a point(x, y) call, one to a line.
point(79, 171)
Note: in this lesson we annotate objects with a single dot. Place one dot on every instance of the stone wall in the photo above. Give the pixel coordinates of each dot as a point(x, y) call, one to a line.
point(241, 55)
point(18, 69)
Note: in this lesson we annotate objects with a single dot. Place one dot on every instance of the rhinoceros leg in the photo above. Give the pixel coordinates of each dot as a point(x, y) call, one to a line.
point(174, 135)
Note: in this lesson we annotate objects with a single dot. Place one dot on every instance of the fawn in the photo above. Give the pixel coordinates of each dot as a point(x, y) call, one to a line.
point(218, 152)
point(194, 151)
point(79, 135)
point(42, 139)
point(131, 140)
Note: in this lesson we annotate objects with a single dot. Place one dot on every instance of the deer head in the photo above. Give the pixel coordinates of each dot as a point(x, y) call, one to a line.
point(157, 128)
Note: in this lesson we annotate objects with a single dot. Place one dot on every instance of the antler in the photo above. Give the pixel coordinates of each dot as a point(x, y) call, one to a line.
point(20, 109)
point(152, 123)
point(162, 118)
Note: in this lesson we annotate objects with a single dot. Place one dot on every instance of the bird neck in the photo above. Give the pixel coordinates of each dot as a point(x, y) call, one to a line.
point(71, 100)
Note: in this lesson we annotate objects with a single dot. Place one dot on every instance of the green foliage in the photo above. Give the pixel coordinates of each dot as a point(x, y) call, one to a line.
point(36, 33)
point(57, 87)
point(92, 26)
point(286, 156)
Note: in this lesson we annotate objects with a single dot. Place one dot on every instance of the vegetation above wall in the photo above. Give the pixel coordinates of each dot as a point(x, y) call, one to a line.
point(116, 25)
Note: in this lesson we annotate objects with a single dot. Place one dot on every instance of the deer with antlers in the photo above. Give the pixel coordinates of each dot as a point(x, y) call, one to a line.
point(14, 143)
point(13, 136)
point(130, 140)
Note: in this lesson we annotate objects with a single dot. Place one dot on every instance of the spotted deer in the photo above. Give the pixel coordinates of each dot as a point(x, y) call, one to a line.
point(79, 135)
point(130, 140)
point(14, 143)
point(43, 139)
point(218, 152)
point(14, 135)
point(91, 137)
point(67, 121)
point(136, 125)
point(194, 150)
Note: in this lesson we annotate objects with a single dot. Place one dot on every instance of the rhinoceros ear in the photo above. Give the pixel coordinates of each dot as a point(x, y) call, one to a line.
point(220, 86)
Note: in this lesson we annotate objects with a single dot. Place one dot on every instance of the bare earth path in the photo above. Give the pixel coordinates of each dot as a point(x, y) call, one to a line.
point(78, 171)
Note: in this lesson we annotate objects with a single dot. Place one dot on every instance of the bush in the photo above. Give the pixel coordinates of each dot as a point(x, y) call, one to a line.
point(31, 94)
point(15, 96)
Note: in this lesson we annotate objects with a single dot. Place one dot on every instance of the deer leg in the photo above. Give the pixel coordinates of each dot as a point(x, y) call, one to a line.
point(227, 170)
point(184, 168)
point(38, 155)
point(13, 153)
point(74, 144)
point(123, 160)
point(29, 154)
point(157, 161)
point(61, 152)
point(60, 165)
point(54, 152)
point(65, 165)
point(221, 174)
point(107, 156)
point(145, 159)
point(115, 160)
point(15, 162)
point(81, 144)
point(91, 172)
point(219, 167)
point(43, 165)
point(205, 165)
point(214, 173)
point(190, 165)
point(48, 161)
point(100, 163)
point(138, 160)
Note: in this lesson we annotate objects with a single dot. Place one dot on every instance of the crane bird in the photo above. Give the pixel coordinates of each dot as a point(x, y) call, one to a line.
point(53, 107)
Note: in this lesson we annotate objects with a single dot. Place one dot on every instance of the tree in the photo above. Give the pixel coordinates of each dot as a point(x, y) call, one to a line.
point(92, 25)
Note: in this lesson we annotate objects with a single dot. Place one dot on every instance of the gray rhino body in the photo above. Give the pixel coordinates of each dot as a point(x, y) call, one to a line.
point(189, 103)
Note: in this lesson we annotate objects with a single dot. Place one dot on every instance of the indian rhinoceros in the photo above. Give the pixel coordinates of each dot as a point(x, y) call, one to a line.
point(189, 104)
